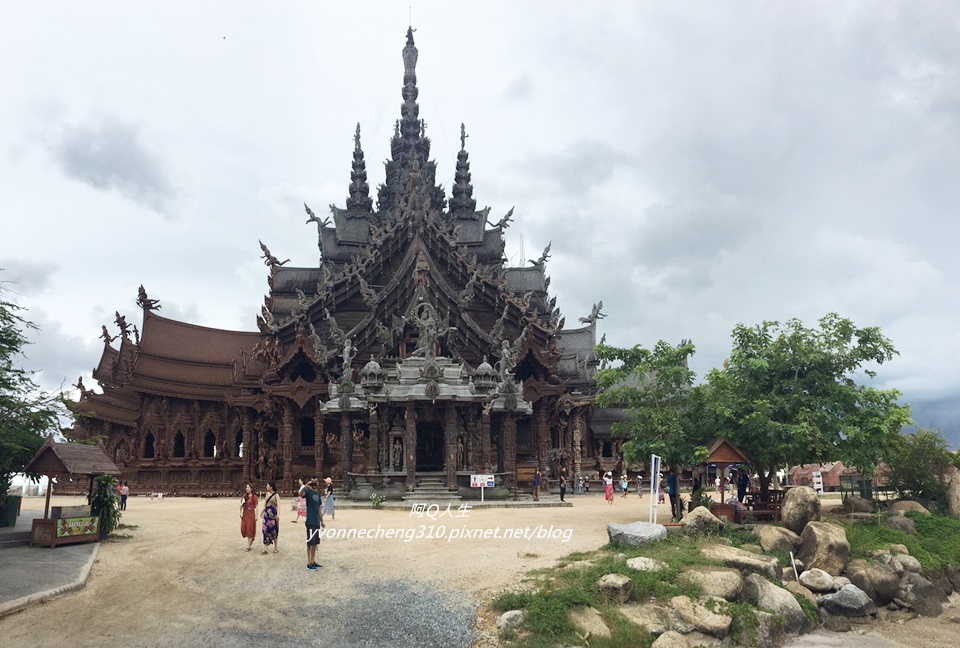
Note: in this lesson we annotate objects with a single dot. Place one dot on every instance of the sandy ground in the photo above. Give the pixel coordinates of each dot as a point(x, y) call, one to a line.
point(183, 574)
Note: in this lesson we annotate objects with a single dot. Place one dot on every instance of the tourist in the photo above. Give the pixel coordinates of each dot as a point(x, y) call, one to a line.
point(328, 503)
point(248, 515)
point(563, 486)
point(271, 519)
point(608, 486)
point(660, 492)
point(743, 482)
point(301, 503)
point(124, 493)
point(314, 522)
point(640, 485)
point(536, 486)
point(673, 490)
point(624, 486)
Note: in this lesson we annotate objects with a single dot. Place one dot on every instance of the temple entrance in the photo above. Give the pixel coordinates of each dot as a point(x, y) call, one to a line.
point(430, 446)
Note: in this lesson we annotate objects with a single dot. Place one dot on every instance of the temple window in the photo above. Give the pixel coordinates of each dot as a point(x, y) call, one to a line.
point(178, 445)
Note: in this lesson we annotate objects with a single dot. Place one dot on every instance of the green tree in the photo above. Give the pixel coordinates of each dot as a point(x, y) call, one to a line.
point(655, 386)
point(919, 464)
point(790, 394)
point(27, 414)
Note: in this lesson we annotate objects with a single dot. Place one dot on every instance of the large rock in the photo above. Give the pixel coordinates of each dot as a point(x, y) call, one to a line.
point(920, 595)
point(642, 563)
point(693, 616)
point(770, 632)
point(910, 564)
point(953, 573)
point(589, 620)
point(722, 582)
point(635, 534)
point(800, 506)
point(796, 588)
point(953, 496)
point(850, 602)
point(878, 581)
point(817, 580)
point(700, 521)
point(616, 586)
point(671, 639)
point(905, 506)
point(768, 596)
point(766, 566)
point(857, 504)
point(510, 619)
point(901, 523)
point(777, 538)
point(657, 619)
point(825, 547)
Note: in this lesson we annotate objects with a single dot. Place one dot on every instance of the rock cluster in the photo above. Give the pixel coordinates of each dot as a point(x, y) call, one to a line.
point(890, 584)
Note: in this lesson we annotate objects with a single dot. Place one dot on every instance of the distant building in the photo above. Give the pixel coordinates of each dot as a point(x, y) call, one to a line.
point(410, 356)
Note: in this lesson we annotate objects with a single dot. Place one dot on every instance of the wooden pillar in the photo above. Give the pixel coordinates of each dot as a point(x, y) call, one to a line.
point(450, 444)
point(577, 444)
point(541, 428)
point(510, 449)
point(248, 452)
point(485, 439)
point(346, 450)
point(287, 483)
point(374, 443)
point(410, 448)
point(318, 440)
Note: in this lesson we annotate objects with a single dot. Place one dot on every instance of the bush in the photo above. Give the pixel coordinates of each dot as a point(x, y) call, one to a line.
point(918, 466)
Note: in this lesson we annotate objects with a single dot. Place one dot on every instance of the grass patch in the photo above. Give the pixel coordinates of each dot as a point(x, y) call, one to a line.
point(809, 609)
point(936, 545)
point(744, 622)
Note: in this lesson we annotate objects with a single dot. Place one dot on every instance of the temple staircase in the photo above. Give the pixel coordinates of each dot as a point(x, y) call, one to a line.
point(432, 488)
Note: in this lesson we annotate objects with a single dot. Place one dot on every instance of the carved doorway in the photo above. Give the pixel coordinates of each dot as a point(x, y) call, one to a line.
point(430, 446)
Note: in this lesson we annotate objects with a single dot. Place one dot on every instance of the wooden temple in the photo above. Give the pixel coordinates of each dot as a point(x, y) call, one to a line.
point(409, 357)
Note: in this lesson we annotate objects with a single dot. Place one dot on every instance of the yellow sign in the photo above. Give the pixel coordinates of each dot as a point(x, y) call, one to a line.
point(78, 526)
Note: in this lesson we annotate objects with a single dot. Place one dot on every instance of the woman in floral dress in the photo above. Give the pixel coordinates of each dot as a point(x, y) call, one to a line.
point(328, 504)
point(271, 519)
point(248, 515)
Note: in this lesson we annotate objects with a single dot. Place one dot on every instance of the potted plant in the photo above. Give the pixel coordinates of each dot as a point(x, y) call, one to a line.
point(105, 503)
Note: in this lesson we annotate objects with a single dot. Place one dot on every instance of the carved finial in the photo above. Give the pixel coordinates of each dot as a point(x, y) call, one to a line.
point(356, 137)
point(595, 314)
point(539, 263)
point(146, 303)
point(463, 137)
point(106, 337)
point(268, 259)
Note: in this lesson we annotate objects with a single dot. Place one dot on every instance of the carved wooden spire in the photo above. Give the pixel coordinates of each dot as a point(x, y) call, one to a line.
point(359, 199)
point(462, 189)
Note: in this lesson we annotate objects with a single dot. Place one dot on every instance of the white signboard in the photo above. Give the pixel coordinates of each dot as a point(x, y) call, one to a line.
point(818, 481)
point(654, 486)
point(481, 481)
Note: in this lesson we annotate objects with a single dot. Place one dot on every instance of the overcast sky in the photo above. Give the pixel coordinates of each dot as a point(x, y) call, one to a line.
point(695, 165)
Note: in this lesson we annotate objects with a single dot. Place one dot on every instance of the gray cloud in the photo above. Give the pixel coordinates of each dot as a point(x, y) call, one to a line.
point(26, 277)
point(111, 155)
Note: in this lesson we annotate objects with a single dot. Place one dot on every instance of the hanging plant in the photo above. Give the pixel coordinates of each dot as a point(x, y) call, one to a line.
point(105, 503)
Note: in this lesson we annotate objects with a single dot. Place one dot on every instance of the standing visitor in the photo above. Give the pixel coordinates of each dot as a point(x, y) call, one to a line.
point(328, 503)
point(624, 486)
point(301, 503)
point(673, 490)
point(124, 492)
point(248, 515)
point(608, 486)
point(640, 485)
point(660, 491)
point(536, 486)
point(314, 523)
point(271, 519)
point(743, 482)
point(580, 486)
point(563, 486)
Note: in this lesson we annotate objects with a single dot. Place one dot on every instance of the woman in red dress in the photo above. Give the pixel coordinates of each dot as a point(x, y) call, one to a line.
point(248, 515)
